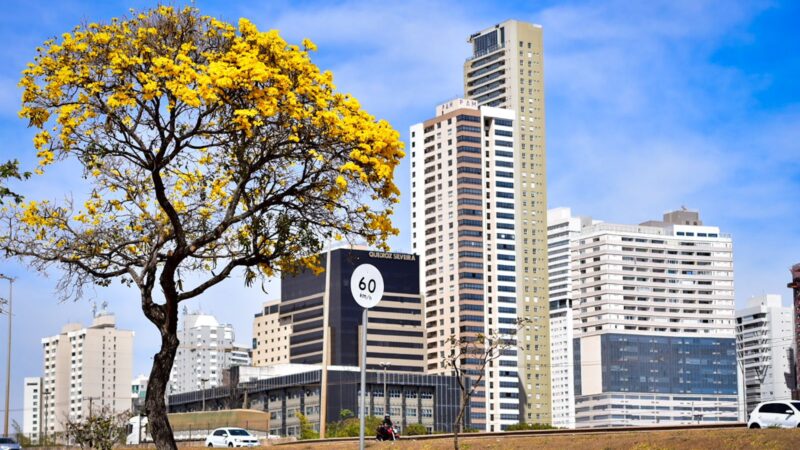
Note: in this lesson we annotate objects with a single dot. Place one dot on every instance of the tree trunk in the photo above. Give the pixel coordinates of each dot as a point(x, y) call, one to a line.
point(156, 409)
point(458, 426)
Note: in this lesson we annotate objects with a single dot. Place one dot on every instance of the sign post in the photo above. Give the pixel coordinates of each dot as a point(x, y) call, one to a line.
point(366, 285)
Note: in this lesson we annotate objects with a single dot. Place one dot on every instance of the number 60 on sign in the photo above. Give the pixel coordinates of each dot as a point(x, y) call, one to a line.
point(366, 285)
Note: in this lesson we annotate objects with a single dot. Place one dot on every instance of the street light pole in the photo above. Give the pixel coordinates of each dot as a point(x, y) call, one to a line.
point(384, 365)
point(8, 356)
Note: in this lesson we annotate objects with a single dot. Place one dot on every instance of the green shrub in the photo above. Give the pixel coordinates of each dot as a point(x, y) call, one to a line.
point(415, 429)
point(350, 427)
point(529, 426)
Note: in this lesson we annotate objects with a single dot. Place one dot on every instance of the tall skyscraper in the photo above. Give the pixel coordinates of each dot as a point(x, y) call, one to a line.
point(86, 370)
point(206, 349)
point(465, 226)
point(32, 402)
point(506, 70)
point(654, 323)
point(764, 334)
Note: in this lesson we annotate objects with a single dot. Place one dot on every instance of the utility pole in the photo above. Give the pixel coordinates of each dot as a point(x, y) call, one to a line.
point(46, 399)
point(8, 355)
point(326, 350)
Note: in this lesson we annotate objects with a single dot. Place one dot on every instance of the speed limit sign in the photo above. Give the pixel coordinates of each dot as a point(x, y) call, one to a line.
point(366, 285)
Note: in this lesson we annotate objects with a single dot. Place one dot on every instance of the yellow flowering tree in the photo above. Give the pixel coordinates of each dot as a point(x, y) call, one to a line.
point(211, 150)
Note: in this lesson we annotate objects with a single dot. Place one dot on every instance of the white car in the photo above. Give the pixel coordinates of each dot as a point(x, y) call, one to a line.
point(775, 414)
point(231, 437)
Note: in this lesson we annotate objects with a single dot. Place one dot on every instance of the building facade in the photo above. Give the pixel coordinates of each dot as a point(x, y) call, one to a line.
point(506, 70)
point(764, 334)
point(32, 403)
point(562, 229)
point(395, 334)
point(795, 287)
point(138, 393)
point(464, 224)
point(654, 335)
point(270, 336)
point(206, 349)
point(86, 370)
point(286, 389)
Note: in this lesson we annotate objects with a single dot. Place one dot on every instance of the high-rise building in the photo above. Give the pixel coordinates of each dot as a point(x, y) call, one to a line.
point(86, 370)
point(466, 228)
point(506, 70)
point(561, 231)
point(271, 336)
point(654, 333)
point(206, 349)
point(32, 403)
point(764, 334)
point(394, 329)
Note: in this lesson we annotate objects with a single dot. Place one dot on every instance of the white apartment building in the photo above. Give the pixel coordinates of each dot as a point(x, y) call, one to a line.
point(32, 404)
point(764, 334)
point(562, 229)
point(206, 349)
point(270, 336)
point(86, 369)
point(506, 70)
point(654, 334)
point(465, 211)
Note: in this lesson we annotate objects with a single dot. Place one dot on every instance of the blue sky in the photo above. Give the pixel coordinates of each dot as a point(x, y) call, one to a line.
point(649, 106)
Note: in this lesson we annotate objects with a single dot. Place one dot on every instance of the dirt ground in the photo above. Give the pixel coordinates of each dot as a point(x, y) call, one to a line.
point(721, 439)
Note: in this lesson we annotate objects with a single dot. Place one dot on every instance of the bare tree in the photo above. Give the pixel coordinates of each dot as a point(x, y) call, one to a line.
point(469, 356)
point(101, 430)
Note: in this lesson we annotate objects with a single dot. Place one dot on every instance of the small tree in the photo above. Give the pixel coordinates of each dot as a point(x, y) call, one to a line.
point(468, 357)
point(306, 430)
point(101, 430)
point(210, 150)
point(346, 414)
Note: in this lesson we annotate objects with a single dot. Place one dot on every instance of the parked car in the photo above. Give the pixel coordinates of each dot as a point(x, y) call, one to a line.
point(231, 437)
point(7, 443)
point(775, 414)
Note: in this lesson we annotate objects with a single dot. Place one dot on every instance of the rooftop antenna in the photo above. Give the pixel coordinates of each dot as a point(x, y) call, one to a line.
point(94, 309)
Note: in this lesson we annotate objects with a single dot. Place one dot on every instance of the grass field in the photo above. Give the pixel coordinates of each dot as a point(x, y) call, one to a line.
point(722, 439)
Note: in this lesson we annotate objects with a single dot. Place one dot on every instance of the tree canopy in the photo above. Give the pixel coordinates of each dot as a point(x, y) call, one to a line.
point(225, 145)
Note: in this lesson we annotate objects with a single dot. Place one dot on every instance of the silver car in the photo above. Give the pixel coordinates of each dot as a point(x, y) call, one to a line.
point(9, 444)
